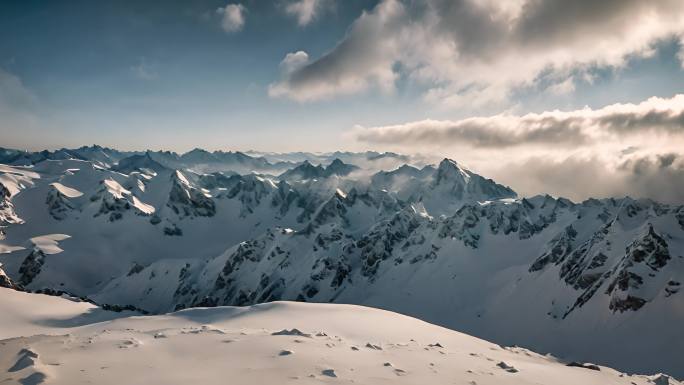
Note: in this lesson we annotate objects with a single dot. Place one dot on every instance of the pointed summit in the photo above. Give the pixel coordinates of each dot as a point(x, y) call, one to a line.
point(137, 163)
point(305, 170)
point(198, 155)
point(450, 170)
point(338, 167)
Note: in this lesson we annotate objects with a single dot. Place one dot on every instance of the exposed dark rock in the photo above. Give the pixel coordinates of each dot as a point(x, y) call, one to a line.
point(31, 266)
point(583, 365)
point(188, 201)
point(173, 231)
point(6, 282)
point(135, 269)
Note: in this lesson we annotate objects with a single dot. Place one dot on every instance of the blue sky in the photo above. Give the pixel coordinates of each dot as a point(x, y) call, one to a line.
point(166, 75)
point(82, 62)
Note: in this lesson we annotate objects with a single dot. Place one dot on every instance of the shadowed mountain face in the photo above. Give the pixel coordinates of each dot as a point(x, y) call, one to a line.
point(160, 231)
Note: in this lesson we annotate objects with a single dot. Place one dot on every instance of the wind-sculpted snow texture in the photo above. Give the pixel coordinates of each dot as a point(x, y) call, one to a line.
point(62, 341)
point(597, 281)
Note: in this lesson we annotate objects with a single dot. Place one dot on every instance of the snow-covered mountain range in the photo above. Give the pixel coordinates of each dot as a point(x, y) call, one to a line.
point(598, 280)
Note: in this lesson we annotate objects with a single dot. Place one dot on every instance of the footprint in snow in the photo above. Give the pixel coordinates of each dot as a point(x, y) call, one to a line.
point(374, 347)
point(329, 372)
point(33, 379)
point(285, 352)
point(26, 358)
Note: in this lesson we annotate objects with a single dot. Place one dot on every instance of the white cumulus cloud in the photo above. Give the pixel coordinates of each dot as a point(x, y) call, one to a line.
point(232, 17)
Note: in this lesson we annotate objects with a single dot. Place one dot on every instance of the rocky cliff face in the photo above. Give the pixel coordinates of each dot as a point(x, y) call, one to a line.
point(5, 281)
point(187, 201)
point(7, 214)
point(31, 267)
point(59, 206)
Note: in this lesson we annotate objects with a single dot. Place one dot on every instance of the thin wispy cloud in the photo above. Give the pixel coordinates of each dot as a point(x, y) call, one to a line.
point(306, 11)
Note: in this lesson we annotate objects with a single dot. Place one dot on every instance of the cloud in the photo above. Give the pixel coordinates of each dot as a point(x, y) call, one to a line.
point(294, 61)
point(655, 117)
point(621, 149)
point(306, 11)
point(657, 176)
point(567, 86)
point(232, 17)
point(465, 51)
point(362, 60)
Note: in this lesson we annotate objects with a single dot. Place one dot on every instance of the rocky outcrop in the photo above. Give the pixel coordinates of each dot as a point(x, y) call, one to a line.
point(558, 249)
point(307, 171)
point(644, 257)
point(188, 201)
point(7, 213)
point(5, 281)
point(59, 206)
point(31, 267)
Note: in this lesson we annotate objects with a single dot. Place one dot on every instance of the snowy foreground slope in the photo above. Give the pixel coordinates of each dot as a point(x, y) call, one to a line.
point(276, 343)
point(598, 280)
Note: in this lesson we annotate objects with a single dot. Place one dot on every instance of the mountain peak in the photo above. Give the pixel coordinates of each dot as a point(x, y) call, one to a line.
point(450, 170)
point(305, 170)
point(446, 162)
point(448, 165)
point(138, 162)
point(338, 167)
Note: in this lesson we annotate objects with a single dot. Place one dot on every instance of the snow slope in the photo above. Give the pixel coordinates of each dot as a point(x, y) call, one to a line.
point(25, 314)
point(276, 343)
